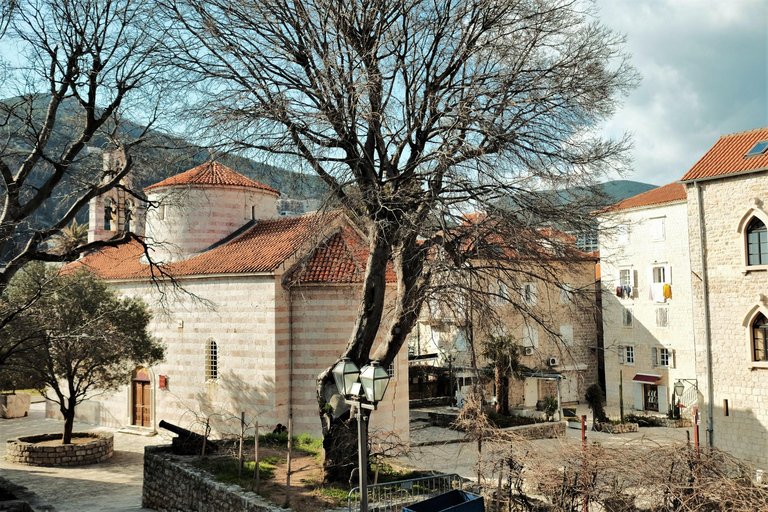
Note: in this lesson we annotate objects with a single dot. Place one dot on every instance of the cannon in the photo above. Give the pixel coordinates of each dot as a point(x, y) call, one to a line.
point(188, 442)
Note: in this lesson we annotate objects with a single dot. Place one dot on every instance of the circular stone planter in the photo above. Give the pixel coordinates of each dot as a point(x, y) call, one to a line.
point(28, 450)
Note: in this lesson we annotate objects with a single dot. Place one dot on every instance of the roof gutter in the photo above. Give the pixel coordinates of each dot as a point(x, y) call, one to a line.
point(721, 176)
point(705, 296)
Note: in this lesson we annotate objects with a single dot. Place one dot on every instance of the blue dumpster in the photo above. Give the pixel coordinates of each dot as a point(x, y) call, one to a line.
point(451, 501)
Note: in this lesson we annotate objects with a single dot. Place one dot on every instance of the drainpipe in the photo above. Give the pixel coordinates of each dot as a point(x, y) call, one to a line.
point(705, 295)
point(290, 353)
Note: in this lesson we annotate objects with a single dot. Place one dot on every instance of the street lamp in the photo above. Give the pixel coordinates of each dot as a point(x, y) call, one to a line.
point(679, 388)
point(363, 388)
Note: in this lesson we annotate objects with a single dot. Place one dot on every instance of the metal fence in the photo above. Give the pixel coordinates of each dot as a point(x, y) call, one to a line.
point(392, 496)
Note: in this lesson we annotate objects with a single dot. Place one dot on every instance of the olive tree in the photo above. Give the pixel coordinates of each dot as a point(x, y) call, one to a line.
point(414, 113)
point(86, 340)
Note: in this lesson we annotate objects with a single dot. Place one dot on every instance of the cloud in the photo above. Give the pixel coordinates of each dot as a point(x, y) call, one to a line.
point(705, 73)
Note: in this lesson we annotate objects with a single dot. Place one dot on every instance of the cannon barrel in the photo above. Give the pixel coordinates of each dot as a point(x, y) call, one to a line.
point(188, 442)
point(179, 431)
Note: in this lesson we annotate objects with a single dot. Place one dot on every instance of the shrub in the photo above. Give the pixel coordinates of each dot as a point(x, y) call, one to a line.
point(550, 407)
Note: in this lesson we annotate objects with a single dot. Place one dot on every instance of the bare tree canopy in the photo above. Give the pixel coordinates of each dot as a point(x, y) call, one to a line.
point(83, 64)
point(412, 112)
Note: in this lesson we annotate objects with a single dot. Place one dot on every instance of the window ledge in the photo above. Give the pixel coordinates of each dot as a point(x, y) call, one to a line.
point(754, 268)
point(758, 365)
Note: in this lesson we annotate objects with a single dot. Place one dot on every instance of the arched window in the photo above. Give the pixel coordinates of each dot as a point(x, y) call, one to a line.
point(760, 338)
point(211, 360)
point(128, 214)
point(109, 214)
point(757, 243)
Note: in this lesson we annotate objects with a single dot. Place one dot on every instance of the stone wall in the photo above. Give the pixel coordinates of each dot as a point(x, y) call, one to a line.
point(14, 405)
point(171, 484)
point(536, 431)
point(737, 292)
point(24, 450)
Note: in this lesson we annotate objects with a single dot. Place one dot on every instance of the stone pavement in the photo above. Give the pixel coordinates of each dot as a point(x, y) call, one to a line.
point(114, 485)
point(437, 449)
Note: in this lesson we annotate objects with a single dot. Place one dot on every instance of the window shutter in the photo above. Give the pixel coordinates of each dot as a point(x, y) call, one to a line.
point(672, 358)
point(655, 356)
point(621, 354)
point(639, 406)
point(663, 403)
point(668, 274)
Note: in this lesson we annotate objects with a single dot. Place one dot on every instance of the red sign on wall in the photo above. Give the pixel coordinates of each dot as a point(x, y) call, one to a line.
point(163, 382)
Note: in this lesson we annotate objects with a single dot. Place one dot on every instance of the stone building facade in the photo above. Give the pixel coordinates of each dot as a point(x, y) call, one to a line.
point(727, 213)
point(261, 305)
point(648, 337)
point(552, 318)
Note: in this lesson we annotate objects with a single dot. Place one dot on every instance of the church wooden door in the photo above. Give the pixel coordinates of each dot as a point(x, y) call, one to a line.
point(141, 399)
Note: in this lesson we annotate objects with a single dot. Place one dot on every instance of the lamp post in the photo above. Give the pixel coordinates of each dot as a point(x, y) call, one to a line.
point(363, 388)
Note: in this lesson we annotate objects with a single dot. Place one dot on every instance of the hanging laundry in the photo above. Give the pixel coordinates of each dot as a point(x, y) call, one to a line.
point(667, 291)
point(657, 292)
point(630, 291)
point(618, 291)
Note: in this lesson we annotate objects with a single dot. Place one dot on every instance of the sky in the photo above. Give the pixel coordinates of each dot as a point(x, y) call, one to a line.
point(704, 67)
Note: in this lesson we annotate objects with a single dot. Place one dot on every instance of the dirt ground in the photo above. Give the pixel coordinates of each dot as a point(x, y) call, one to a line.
point(305, 493)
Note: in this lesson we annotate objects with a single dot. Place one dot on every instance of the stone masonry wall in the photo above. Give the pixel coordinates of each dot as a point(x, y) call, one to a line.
point(25, 450)
point(173, 485)
point(736, 293)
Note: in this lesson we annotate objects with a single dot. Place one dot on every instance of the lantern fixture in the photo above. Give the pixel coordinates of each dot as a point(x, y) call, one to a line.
point(375, 380)
point(346, 374)
point(679, 388)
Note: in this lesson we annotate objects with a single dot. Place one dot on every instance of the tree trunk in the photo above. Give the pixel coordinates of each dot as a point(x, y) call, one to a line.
point(502, 392)
point(340, 446)
point(69, 421)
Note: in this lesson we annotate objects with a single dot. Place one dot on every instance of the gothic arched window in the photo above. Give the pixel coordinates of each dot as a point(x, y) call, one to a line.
point(757, 243)
point(128, 214)
point(109, 214)
point(760, 338)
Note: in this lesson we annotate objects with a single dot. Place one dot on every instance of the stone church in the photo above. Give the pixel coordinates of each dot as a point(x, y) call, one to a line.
point(251, 306)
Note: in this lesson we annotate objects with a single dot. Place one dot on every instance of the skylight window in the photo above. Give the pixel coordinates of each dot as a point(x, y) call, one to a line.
point(758, 149)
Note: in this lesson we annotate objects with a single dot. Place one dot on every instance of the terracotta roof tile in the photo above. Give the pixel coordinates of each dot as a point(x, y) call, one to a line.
point(727, 156)
point(664, 194)
point(212, 174)
point(341, 258)
point(260, 249)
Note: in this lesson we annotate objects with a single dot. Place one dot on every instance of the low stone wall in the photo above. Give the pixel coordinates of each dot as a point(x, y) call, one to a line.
point(172, 484)
point(621, 428)
point(14, 405)
point(430, 402)
point(25, 450)
point(536, 431)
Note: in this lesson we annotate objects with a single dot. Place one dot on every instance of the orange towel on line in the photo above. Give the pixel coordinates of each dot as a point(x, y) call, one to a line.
point(667, 291)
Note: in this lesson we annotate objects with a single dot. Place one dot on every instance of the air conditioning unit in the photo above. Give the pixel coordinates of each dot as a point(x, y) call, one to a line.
point(552, 361)
point(528, 351)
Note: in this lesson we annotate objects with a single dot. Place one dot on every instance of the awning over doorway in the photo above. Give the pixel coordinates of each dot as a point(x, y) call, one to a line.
point(646, 378)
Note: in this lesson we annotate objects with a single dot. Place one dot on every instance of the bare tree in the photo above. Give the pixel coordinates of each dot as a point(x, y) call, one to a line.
point(414, 113)
point(81, 65)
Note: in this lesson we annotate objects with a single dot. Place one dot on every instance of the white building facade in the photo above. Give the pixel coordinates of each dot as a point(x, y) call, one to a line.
point(647, 318)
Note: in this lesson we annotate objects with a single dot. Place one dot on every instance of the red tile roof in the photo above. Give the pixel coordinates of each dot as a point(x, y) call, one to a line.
point(260, 249)
point(212, 174)
point(664, 194)
point(727, 156)
point(341, 258)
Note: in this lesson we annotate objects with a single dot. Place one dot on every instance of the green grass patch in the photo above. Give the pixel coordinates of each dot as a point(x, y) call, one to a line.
point(27, 391)
point(338, 495)
point(224, 469)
